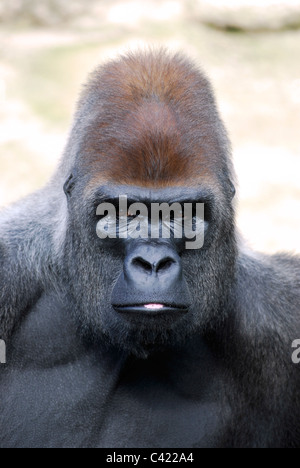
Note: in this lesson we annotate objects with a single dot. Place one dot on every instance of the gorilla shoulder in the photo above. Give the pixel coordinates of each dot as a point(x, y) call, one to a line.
point(268, 292)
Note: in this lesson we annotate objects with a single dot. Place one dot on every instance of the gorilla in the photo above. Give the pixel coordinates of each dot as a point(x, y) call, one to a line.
point(136, 342)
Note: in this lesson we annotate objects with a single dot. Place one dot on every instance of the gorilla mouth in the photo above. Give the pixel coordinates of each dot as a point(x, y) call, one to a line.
point(152, 309)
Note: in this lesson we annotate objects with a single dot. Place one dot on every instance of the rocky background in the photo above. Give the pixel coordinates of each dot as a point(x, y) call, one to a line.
point(249, 48)
point(236, 14)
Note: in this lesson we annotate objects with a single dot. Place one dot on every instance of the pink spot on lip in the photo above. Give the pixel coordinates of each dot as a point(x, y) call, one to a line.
point(154, 306)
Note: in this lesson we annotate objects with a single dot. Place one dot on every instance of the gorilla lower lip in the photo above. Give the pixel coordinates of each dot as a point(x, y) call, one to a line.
point(151, 310)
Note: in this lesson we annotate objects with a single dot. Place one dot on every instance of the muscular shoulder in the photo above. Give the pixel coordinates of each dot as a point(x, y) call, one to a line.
point(46, 336)
point(268, 291)
point(271, 268)
point(25, 250)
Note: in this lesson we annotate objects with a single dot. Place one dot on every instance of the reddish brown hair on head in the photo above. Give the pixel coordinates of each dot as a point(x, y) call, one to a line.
point(150, 119)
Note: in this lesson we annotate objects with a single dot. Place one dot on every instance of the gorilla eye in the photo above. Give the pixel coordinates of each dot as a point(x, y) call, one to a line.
point(121, 213)
point(128, 214)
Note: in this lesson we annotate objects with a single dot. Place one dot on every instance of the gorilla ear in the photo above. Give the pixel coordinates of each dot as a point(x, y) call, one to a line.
point(232, 189)
point(69, 185)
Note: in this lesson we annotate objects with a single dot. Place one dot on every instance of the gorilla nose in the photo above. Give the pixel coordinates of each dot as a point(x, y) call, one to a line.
point(151, 264)
point(149, 267)
point(151, 284)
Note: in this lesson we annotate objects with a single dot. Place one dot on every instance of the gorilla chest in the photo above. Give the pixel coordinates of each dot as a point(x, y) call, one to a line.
point(161, 418)
point(78, 406)
point(57, 393)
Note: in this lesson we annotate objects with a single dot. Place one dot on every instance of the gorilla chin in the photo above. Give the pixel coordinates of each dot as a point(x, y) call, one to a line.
point(138, 330)
point(142, 331)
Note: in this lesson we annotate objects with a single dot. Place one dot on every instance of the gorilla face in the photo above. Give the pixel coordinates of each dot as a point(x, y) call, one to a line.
point(142, 293)
point(147, 127)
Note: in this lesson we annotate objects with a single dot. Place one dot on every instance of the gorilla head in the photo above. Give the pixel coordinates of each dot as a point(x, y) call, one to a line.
point(147, 128)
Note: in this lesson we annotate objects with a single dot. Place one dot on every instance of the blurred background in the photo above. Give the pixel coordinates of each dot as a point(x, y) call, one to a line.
point(250, 49)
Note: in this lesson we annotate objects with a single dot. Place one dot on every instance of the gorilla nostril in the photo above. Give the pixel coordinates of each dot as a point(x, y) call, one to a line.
point(149, 267)
point(142, 264)
point(164, 264)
